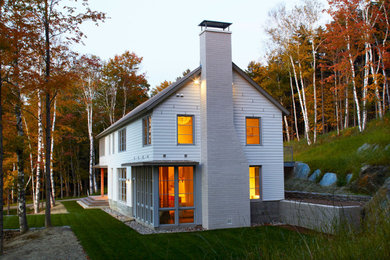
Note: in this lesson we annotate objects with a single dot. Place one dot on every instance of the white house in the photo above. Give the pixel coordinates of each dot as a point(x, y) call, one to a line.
point(203, 151)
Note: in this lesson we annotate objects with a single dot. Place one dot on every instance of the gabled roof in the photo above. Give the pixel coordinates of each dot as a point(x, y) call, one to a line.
point(148, 105)
point(260, 89)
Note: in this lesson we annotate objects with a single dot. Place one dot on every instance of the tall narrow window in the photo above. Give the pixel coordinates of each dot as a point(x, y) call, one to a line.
point(122, 184)
point(254, 182)
point(185, 130)
point(102, 146)
point(252, 130)
point(113, 143)
point(147, 129)
point(122, 140)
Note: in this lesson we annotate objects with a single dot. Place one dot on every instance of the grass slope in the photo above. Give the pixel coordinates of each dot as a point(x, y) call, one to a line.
point(339, 154)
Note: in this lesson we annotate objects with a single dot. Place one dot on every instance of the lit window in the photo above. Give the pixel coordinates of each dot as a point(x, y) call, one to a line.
point(176, 195)
point(185, 130)
point(252, 130)
point(122, 140)
point(254, 182)
point(147, 129)
point(122, 184)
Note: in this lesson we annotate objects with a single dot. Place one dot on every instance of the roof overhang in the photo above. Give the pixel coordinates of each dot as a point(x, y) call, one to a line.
point(100, 166)
point(162, 163)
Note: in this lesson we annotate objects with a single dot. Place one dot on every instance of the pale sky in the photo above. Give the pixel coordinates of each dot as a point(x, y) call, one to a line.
point(166, 33)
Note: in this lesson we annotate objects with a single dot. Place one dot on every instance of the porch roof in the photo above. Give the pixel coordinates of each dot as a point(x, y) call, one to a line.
point(162, 163)
point(98, 166)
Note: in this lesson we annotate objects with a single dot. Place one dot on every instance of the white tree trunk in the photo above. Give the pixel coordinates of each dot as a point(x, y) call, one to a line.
point(287, 130)
point(39, 154)
point(314, 90)
point(365, 87)
point(374, 74)
point(89, 109)
point(294, 108)
point(301, 101)
point(51, 153)
point(351, 63)
point(31, 161)
point(335, 103)
point(305, 114)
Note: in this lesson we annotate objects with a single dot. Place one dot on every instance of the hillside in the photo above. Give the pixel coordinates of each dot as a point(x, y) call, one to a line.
point(350, 152)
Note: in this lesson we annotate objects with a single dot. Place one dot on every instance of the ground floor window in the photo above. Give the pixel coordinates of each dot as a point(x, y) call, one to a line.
point(254, 182)
point(176, 195)
point(122, 184)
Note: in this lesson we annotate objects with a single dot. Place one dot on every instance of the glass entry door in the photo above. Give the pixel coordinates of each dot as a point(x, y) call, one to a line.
point(176, 195)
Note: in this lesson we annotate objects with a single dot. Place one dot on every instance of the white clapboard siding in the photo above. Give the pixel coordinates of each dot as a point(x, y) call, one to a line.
point(164, 125)
point(250, 102)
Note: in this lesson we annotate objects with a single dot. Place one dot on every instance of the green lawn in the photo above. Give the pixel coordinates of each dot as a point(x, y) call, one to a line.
point(104, 237)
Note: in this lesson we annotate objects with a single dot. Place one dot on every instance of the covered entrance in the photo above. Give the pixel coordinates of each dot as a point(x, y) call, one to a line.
point(164, 192)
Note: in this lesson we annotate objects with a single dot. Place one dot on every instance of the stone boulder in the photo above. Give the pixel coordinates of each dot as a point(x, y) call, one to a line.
point(371, 178)
point(378, 208)
point(301, 170)
point(364, 148)
point(315, 175)
point(348, 178)
point(328, 179)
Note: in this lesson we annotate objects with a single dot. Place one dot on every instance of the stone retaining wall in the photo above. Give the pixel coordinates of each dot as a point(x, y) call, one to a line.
point(325, 196)
point(322, 218)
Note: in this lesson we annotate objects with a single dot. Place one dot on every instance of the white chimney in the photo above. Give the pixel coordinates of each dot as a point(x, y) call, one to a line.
point(225, 170)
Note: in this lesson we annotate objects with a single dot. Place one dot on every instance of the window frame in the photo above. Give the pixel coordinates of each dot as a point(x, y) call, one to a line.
point(149, 132)
point(260, 182)
point(122, 185)
point(260, 131)
point(122, 140)
point(177, 128)
point(176, 208)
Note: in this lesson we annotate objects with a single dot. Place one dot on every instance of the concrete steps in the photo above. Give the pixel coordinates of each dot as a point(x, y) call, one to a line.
point(93, 202)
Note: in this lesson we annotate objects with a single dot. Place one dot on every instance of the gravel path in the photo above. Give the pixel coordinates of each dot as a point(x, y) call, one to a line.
point(52, 243)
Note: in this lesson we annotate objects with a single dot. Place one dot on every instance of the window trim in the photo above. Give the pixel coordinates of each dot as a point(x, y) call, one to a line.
point(119, 140)
point(260, 131)
point(177, 128)
point(260, 182)
point(143, 130)
point(120, 180)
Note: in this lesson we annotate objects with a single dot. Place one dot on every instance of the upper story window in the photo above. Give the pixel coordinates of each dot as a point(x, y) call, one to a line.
point(147, 129)
point(254, 182)
point(252, 130)
point(113, 143)
point(122, 140)
point(185, 129)
point(101, 146)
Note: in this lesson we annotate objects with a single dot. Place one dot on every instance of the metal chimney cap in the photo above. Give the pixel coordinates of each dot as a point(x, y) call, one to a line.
point(214, 24)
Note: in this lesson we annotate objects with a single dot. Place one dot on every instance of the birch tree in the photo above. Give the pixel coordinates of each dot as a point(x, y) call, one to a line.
point(89, 69)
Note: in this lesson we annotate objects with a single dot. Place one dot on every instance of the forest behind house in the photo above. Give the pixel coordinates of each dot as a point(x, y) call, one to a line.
point(54, 101)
